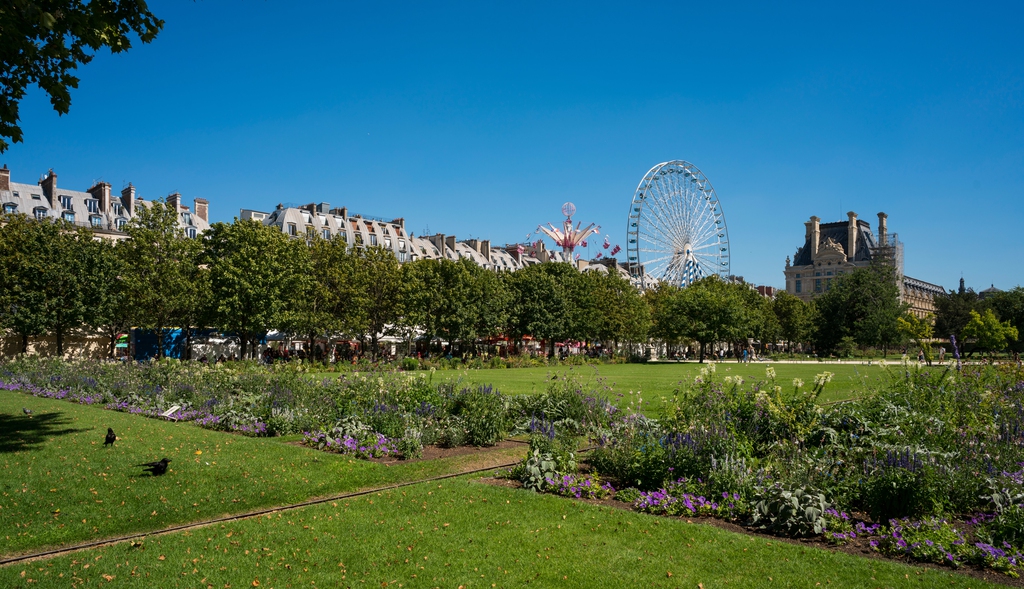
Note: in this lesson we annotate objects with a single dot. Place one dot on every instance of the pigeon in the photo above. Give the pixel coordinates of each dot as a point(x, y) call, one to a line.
point(111, 437)
point(26, 411)
point(156, 468)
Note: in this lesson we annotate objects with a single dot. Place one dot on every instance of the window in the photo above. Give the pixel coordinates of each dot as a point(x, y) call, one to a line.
point(118, 209)
point(387, 242)
point(39, 212)
point(92, 205)
point(344, 236)
point(401, 257)
point(828, 284)
point(119, 223)
point(68, 216)
point(817, 274)
point(817, 285)
point(15, 194)
point(292, 229)
point(65, 203)
point(310, 232)
point(373, 239)
point(798, 275)
point(829, 273)
point(10, 208)
point(96, 220)
point(36, 197)
point(327, 233)
point(798, 285)
point(401, 244)
point(359, 239)
point(191, 232)
point(186, 218)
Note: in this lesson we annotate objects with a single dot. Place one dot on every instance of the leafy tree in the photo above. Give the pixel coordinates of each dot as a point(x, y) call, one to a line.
point(989, 332)
point(663, 327)
point(47, 275)
point(864, 305)
point(253, 272)
point(110, 307)
point(438, 299)
point(953, 312)
point(22, 293)
point(794, 318)
point(159, 269)
point(622, 313)
point(536, 305)
point(43, 42)
point(917, 330)
point(707, 311)
point(1009, 306)
point(324, 292)
point(379, 306)
point(489, 300)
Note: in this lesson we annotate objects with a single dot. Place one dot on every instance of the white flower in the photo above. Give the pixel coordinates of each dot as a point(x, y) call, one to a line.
point(823, 379)
point(770, 373)
point(798, 383)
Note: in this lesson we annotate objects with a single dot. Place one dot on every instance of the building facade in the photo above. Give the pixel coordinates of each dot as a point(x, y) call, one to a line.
point(831, 250)
point(97, 208)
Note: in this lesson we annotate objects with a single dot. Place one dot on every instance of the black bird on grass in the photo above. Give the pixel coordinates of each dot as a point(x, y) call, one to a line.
point(111, 437)
point(26, 411)
point(156, 468)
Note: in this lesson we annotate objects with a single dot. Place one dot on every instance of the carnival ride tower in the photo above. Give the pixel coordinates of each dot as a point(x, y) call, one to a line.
point(568, 237)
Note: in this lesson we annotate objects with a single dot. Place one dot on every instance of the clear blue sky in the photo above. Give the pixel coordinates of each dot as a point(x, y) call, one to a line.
point(481, 119)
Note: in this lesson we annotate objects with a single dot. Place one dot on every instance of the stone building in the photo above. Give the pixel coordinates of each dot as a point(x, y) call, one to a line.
point(96, 208)
point(833, 249)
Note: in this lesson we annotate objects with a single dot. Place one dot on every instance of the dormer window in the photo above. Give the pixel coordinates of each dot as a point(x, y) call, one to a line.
point(292, 229)
point(327, 233)
point(65, 203)
point(373, 239)
point(92, 205)
point(39, 213)
point(186, 218)
point(96, 221)
point(37, 197)
point(118, 209)
point(10, 208)
point(387, 242)
point(191, 232)
point(68, 216)
point(119, 223)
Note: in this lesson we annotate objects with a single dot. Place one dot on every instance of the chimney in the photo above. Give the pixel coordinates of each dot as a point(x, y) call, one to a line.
point(883, 231)
point(5, 178)
point(815, 236)
point(485, 249)
point(399, 221)
point(450, 242)
point(323, 207)
point(101, 192)
point(174, 199)
point(128, 199)
point(49, 184)
point(851, 236)
point(203, 209)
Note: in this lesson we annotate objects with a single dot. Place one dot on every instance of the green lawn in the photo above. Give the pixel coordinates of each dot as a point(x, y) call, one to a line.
point(461, 533)
point(656, 382)
point(59, 485)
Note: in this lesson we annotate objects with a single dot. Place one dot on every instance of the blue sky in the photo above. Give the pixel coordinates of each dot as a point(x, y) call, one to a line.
point(481, 119)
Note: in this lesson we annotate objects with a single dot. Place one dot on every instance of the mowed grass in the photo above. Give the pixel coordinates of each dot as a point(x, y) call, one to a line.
point(59, 485)
point(461, 533)
point(655, 383)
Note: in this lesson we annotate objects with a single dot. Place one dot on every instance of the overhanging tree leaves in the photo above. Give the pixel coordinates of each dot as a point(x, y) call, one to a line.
point(43, 42)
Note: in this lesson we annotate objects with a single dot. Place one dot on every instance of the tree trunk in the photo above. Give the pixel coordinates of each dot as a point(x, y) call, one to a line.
point(24, 343)
point(243, 341)
point(60, 342)
point(701, 352)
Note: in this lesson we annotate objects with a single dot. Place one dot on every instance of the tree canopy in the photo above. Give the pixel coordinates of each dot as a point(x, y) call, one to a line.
point(43, 42)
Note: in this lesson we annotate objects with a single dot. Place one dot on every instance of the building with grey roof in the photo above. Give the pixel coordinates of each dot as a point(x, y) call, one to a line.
point(96, 208)
point(831, 250)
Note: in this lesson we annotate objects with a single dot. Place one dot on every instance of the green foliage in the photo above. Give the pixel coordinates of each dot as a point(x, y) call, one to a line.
point(988, 332)
point(627, 495)
point(790, 510)
point(1007, 526)
point(44, 42)
point(864, 305)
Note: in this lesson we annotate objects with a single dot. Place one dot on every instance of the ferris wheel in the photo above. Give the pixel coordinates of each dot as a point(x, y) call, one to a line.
point(676, 230)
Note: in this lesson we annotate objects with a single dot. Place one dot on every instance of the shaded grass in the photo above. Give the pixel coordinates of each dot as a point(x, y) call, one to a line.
point(461, 533)
point(59, 485)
